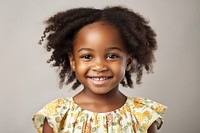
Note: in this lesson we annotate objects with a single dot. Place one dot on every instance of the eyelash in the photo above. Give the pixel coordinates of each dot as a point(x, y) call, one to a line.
point(108, 56)
point(86, 56)
point(111, 56)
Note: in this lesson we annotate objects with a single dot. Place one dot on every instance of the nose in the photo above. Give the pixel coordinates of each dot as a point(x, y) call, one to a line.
point(99, 65)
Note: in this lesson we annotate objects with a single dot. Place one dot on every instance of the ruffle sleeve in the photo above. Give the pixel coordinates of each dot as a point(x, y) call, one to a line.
point(53, 112)
point(147, 112)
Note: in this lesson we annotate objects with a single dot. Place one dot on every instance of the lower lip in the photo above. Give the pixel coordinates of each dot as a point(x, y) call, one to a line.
point(99, 82)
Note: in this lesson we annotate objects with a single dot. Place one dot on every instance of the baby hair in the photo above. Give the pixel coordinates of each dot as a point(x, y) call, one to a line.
point(135, 31)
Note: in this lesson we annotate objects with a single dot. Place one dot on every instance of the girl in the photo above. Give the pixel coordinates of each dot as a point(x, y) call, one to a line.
point(100, 49)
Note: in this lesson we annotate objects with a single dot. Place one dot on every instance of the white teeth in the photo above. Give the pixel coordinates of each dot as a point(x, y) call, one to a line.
point(100, 79)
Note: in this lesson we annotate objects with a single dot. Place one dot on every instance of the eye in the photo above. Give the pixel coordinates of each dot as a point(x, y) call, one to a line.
point(112, 56)
point(87, 57)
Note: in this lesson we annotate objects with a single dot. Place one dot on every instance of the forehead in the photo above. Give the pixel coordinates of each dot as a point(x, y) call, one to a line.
point(95, 25)
point(98, 27)
point(99, 32)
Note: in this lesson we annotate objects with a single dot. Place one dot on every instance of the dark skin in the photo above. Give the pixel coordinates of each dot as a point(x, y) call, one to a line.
point(47, 128)
point(99, 53)
point(99, 103)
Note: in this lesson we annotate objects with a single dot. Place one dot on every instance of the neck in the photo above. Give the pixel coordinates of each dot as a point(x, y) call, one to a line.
point(112, 96)
point(110, 101)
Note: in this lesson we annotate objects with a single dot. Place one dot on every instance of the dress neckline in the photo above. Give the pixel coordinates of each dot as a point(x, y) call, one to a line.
point(100, 113)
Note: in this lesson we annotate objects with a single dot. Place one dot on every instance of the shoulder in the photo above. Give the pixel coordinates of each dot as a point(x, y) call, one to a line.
point(147, 111)
point(56, 106)
point(144, 103)
point(52, 112)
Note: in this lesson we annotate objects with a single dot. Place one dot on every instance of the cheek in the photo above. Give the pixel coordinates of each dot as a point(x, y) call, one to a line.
point(119, 68)
point(80, 72)
point(81, 67)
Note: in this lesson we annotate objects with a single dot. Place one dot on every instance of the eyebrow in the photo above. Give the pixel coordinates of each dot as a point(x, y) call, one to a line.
point(113, 48)
point(87, 49)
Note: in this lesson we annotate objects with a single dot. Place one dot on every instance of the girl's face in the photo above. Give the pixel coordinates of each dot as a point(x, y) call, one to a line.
point(100, 58)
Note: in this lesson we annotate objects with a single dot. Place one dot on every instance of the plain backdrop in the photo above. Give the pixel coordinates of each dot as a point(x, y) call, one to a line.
point(27, 82)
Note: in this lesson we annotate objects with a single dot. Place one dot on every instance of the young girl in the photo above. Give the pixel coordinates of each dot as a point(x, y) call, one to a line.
point(100, 49)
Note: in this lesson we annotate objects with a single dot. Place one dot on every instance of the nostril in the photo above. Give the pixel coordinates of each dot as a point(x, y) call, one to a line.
point(100, 68)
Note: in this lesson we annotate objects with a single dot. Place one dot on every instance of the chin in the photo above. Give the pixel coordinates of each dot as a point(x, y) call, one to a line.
point(101, 90)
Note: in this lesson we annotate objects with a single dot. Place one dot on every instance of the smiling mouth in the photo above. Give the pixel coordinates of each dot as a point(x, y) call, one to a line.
point(99, 80)
point(102, 78)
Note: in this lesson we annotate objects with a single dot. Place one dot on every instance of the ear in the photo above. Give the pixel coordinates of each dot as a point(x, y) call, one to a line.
point(129, 62)
point(72, 61)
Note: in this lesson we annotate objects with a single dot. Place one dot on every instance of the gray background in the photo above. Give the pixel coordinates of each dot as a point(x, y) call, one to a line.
point(27, 82)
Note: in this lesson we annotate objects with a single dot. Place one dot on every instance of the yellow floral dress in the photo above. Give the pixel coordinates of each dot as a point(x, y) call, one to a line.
point(65, 116)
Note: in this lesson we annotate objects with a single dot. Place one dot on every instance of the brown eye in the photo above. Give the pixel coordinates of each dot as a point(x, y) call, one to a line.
point(86, 57)
point(112, 56)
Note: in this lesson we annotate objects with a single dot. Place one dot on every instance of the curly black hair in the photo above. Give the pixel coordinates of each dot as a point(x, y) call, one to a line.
point(134, 29)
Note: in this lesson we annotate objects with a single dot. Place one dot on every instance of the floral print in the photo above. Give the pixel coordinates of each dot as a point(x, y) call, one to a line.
point(65, 116)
